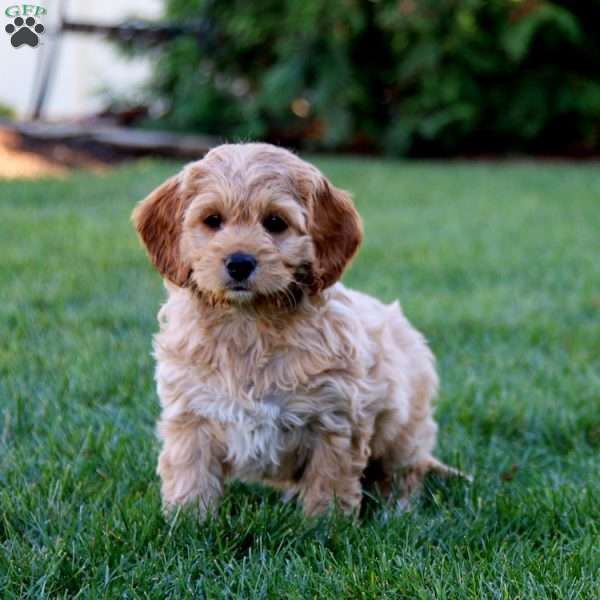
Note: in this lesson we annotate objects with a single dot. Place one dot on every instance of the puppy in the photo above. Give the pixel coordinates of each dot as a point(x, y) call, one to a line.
point(268, 369)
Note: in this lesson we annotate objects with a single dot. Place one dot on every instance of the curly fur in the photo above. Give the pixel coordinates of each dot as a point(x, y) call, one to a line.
point(295, 380)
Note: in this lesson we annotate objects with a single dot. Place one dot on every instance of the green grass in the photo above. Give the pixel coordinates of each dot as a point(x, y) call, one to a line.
point(498, 264)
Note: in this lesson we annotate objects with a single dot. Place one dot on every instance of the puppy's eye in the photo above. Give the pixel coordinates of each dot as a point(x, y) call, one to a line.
point(213, 221)
point(274, 224)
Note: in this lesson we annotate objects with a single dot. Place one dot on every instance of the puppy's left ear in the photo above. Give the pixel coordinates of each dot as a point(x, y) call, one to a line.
point(336, 231)
point(159, 220)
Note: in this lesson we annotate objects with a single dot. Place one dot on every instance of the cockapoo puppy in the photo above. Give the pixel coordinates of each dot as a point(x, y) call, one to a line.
point(268, 369)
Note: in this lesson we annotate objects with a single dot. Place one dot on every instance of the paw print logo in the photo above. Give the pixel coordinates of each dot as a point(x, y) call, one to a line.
point(24, 32)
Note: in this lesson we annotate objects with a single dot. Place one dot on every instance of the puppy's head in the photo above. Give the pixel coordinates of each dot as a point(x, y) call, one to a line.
point(248, 223)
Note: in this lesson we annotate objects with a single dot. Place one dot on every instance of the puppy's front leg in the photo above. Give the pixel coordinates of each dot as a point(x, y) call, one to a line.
point(333, 474)
point(190, 463)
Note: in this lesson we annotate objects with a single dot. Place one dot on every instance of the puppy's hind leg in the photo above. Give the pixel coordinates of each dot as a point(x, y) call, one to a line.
point(405, 461)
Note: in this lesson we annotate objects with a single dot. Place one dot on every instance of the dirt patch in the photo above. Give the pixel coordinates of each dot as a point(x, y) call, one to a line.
point(25, 159)
point(17, 163)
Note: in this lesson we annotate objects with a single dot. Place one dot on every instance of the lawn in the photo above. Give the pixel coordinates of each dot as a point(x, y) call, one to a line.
point(499, 264)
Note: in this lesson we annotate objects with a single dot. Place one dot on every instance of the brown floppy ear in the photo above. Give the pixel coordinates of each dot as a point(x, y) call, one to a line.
point(336, 232)
point(159, 220)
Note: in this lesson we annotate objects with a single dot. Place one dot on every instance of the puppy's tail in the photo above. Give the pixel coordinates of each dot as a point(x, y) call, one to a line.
point(437, 467)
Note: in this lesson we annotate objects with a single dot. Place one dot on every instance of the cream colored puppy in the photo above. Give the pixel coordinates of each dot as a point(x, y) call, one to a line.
point(267, 369)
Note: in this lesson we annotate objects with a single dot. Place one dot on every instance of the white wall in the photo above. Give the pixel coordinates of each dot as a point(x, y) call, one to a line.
point(86, 64)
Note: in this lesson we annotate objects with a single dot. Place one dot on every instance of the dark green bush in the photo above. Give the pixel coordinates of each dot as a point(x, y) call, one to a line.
point(401, 76)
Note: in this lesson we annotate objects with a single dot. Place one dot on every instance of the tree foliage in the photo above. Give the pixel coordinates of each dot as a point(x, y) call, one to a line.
point(399, 76)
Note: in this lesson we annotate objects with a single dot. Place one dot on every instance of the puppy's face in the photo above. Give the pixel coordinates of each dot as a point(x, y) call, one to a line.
point(245, 233)
point(248, 223)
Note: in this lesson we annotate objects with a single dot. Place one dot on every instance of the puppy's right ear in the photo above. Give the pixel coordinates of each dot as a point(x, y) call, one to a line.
point(159, 221)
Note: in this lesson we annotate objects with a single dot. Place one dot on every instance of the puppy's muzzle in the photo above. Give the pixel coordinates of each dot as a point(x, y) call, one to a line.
point(240, 266)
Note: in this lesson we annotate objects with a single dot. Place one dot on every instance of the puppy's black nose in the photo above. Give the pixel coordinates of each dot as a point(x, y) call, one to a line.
point(240, 265)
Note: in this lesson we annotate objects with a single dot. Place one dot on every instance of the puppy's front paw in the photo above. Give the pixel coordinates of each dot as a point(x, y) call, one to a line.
point(316, 505)
point(201, 506)
point(184, 490)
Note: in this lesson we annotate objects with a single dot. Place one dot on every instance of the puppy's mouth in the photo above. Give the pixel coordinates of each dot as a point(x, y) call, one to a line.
point(239, 291)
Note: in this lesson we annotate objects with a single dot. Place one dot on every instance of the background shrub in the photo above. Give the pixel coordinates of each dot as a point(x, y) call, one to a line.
point(421, 77)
